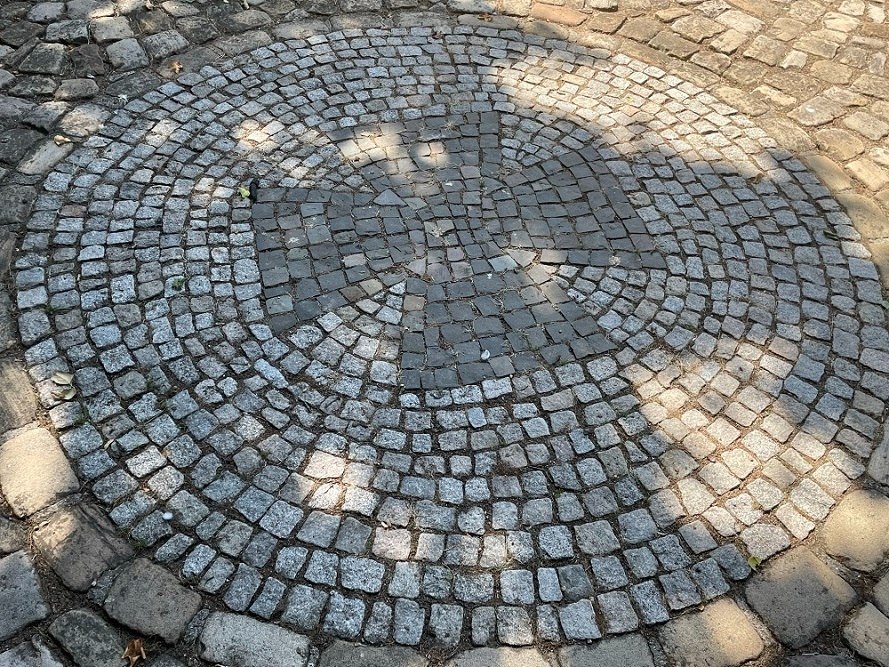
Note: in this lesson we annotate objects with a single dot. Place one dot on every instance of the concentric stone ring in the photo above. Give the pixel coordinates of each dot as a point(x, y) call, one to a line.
point(519, 342)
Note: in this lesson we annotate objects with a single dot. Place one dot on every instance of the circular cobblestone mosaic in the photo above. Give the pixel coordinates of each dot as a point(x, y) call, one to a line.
point(518, 341)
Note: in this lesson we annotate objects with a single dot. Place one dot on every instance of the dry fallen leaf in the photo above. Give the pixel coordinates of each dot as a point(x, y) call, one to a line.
point(64, 379)
point(134, 652)
point(65, 394)
point(176, 66)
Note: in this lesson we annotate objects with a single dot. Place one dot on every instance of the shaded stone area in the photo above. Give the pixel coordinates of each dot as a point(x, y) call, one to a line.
point(468, 235)
point(20, 596)
point(799, 597)
point(149, 599)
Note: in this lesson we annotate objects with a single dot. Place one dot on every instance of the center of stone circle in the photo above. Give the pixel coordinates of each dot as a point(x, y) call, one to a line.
point(461, 254)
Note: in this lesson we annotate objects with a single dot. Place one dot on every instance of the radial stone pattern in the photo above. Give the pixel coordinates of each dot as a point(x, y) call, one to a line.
point(519, 341)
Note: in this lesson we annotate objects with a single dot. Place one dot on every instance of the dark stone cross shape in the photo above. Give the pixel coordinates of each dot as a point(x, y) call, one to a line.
point(439, 213)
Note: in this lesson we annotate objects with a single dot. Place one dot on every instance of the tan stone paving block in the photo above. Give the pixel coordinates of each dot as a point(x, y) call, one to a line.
point(857, 531)
point(715, 62)
point(832, 72)
point(871, 222)
point(79, 544)
point(34, 472)
point(640, 29)
point(18, 404)
point(830, 173)
point(673, 44)
point(841, 144)
point(555, 14)
point(867, 125)
point(787, 29)
point(729, 41)
point(870, 173)
point(875, 86)
point(697, 28)
point(719, 636)
point(765, 49)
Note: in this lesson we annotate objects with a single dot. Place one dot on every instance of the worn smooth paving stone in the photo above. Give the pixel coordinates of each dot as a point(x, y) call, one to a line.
point(79, 544)
point(34, 472)
point(617, 652)
point(20, 596)
point(16, 202)
point(719, 636)
point(240, 641)
point(470, 345)
point(485, 657)
point(881, 594)
point(798, 596)
point(12, 535)
point(150, 600)
point(344, 654)
point(867, 632)
point(88, 639)
point(857, 531)
point(878, 466)
point(18, 405)
point(29, 654)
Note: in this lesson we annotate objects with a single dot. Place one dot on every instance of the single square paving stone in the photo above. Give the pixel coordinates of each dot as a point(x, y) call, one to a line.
point(149, 599)
point(15, 203)
point(857, 531)
point(20, 597)
point(127, 54)
point(867, 632)
point(45, 59)
point(240, 641)
point(79, 544)
point(629, 651)
point(489, 657)
point(34, 472)
point(719, 636)
point(14, 144)
point(798, 596)
point(88, 639)
point(579, 620)
point(345, 617)
point(344, 654)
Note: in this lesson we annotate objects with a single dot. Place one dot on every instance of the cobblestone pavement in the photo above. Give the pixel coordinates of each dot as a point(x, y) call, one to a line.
point(444, 330)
